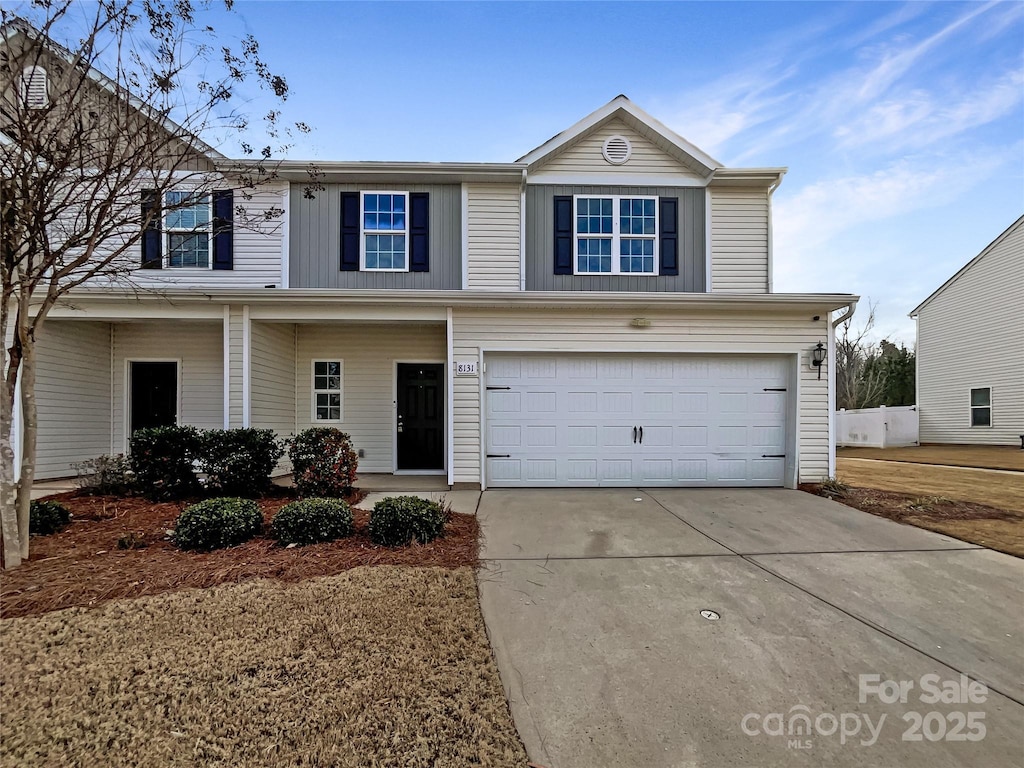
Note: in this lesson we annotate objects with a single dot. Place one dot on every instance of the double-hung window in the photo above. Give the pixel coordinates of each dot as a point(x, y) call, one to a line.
point(385, 231)
point(616, 235)
point(327, 390)
point(188, 228)
point(981, 407)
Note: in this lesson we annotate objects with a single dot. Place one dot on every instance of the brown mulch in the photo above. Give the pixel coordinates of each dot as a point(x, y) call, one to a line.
point(84, 566)
point(992, 527)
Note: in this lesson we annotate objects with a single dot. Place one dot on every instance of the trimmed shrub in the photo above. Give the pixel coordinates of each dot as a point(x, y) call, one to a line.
point(217, 523)
point(238, 462)
point(397, 520)
point(105, 476)
point(46, 517)
point(323, 462)
point(309, 521)
point(162, 460)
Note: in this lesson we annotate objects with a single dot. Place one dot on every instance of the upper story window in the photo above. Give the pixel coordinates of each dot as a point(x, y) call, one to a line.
point(385, 230)
point(981, 407)
point(188, 225)
point(35, 88)
point(616, 235)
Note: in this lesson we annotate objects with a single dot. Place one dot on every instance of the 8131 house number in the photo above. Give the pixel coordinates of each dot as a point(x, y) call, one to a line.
point(465, 368)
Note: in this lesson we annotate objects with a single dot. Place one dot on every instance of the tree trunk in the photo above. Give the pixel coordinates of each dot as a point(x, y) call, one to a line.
point(28, 444)
point(8, 488)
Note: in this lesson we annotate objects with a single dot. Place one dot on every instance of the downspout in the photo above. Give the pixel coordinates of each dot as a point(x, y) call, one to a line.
point(522, 232)
point(850, 309)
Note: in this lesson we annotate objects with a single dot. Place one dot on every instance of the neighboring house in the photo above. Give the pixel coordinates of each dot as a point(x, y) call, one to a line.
point(599, 312)
point(970, 349)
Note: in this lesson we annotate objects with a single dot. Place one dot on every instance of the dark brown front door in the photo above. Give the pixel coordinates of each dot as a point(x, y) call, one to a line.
point(154, 393)
point(420, 416)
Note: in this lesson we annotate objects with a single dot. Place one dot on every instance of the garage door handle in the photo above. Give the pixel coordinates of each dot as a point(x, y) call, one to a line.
point(634, 435)
point(641, 435)
point(499, 455)
point(774, 389)
point(773, 455)
point(490, 388)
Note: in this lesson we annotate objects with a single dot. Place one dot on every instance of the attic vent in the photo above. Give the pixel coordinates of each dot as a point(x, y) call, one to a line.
point(34, 87)
point(617, 149)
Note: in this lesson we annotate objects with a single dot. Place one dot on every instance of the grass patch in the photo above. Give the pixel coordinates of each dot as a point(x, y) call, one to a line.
point(376, 666)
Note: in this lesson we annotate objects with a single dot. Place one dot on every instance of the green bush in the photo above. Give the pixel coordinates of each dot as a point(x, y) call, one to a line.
point(105, 476)
point(217, 523)
point(397, 520)
point(46, 517)
point(239, 462)
point(162, 460)
point(323, 462)
point(309, 521)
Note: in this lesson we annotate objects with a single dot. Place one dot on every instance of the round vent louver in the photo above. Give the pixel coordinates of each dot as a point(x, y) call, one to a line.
point(617, 149)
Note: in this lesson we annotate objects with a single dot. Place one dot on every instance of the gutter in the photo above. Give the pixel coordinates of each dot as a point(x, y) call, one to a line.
point(850, 309)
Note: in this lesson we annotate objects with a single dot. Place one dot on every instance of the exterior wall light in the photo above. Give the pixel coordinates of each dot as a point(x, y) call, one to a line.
point(818, 357)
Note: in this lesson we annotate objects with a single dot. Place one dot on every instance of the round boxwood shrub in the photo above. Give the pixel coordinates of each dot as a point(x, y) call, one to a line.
point(46, 517)
point(162, 459)
point(309, 521)
point(217, 523)
point(397, 520)
point(239, 462)
point(323, 462)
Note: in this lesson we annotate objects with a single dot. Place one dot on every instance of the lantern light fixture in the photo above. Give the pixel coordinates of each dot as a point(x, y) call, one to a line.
point(818, 357)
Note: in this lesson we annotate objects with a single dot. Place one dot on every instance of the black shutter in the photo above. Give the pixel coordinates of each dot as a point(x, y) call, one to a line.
point(419, 232)
point(668, 245)
point(152, 253)
point(349, 231)
point(563, 234)
point(223, 229)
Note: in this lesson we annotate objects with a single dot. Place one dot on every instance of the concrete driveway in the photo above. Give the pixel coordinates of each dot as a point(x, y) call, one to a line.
point(593, 602)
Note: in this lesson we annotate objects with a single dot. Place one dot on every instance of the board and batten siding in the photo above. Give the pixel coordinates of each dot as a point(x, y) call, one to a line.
point(315, 240)
point(492, 229)
point(199, 348)
point(971, 335)
point(739, 240)
point(368, 354)
point(540, 244)
point(73, 395)
point(585, 156)
point(575, 331)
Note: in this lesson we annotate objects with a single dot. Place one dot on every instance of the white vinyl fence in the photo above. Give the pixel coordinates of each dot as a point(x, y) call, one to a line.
point(882, 427)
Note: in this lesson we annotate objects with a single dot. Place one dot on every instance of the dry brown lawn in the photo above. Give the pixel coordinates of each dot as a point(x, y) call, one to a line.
point(376, 666)
point(1003, 490)
point(981, 456)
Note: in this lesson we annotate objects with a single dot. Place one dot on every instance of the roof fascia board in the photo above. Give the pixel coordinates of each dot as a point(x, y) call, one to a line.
point(985, 251)
point(374, 171)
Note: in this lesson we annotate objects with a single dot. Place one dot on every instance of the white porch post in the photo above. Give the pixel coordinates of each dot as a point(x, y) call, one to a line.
point(449, 390)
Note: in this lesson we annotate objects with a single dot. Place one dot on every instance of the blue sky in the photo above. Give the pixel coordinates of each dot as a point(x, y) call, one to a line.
point(902, 124)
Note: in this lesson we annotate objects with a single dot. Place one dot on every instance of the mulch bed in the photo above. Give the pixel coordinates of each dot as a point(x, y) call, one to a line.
point(84, 566)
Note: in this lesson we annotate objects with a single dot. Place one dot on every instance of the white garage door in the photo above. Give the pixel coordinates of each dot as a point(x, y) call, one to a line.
point(717, 420)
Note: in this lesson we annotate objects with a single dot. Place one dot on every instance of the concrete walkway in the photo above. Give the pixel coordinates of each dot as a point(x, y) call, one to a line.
point(593, 602)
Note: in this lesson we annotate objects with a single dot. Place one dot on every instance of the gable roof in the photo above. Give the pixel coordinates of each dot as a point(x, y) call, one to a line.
point(622, 108)
point(18, 26)
point(985, 251)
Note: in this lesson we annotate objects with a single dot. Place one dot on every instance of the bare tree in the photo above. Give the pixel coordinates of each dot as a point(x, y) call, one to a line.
point(101, 116)
point(858, 383)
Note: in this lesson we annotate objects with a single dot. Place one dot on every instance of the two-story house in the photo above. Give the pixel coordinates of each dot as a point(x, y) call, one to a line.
point(597, 313)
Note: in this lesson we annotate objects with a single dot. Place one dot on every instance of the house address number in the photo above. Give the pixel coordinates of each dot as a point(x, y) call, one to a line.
point(465, 368)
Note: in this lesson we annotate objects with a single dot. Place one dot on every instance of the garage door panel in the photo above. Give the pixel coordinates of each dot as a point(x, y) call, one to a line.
point(707, 420)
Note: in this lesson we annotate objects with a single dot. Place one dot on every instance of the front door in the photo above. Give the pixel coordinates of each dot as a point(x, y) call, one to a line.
point(420, 416)
point(154, 395)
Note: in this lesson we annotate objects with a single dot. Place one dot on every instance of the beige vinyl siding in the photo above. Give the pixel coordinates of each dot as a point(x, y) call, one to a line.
point(72, 395)
point(739, 240)
point(369, 354)
point(236, 377)
point(678, 332)
point(585, 157)
point(197, 345)
point(493, 217)
point(971, 335)
point(273, 380)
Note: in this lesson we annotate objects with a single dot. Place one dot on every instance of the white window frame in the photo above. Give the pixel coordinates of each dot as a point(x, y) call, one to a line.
point(616, 234)
point(340, 391)
point(28, 78)
point(971, 408)
point(363, 232)
point(167, 232)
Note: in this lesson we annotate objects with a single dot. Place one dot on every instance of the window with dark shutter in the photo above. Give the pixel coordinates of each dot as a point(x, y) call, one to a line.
point(223, 229)
point(419, 232)
point(668, 246)
point(349, 231)
point(563, 235)
point(152, 252)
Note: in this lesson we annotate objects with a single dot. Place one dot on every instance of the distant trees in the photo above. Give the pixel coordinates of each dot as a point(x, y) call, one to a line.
point(869, 374)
